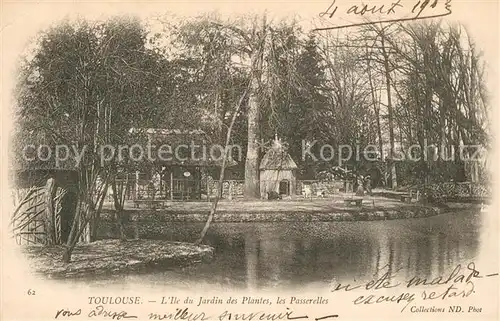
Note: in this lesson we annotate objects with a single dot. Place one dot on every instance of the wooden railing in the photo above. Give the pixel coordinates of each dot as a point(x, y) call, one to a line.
point(234, 188)
point(458, 190)
point(176, 189)
point(189, 189)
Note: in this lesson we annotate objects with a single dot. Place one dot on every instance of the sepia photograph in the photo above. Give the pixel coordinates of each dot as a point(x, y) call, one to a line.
point(316, 161)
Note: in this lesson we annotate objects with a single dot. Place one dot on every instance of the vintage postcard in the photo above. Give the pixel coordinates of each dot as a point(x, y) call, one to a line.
point(263, 160)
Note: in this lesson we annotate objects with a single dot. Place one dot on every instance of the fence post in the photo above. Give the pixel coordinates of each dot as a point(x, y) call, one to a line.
point(136, 185)
point(208, 190)
point(50, 192)
point(230, 192)
point(171, 185)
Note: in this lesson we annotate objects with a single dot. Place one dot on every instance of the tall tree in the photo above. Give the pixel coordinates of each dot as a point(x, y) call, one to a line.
point(85, 86)
point(245, 47)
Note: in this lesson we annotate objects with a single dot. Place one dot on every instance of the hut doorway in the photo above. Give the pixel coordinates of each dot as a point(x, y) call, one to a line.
point(277, 172)
point(284, 187)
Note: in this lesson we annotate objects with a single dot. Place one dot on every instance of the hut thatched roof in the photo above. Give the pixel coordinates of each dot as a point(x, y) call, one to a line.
point(24, 156)
point(277, 158)
point(195, 151)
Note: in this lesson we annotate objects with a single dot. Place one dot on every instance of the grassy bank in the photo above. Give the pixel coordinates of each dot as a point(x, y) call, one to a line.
point(150, 223)
point(113, 256)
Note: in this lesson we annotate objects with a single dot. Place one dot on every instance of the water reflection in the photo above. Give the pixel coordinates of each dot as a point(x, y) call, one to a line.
point(284, 255)
point(276, 255)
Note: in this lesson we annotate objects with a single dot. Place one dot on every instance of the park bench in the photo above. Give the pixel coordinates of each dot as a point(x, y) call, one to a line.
point(356, 201)
point(407, 198)
point(150, 203)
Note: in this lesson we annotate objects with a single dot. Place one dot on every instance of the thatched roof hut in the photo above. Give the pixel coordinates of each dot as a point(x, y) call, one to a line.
point(181, 159)
point(184, 147)
point(277, 158)
point(277, 171)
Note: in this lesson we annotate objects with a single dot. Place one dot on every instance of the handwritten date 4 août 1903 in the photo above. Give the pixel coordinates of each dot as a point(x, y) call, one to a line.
point(392, 11)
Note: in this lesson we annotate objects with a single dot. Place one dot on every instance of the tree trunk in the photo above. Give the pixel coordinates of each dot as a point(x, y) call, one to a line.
point(376, 109)
point(213, 209)
point(85, 225)
point(251, 188)
point(73, 234)
point(118, 210)
point(50, 193)
point(86, 213)
point(97, 217)
point(390, 115)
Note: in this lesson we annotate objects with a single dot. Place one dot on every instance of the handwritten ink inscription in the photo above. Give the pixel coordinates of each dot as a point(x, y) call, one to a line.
point(458, 283)
point(188, 315)
point(185, 314)
point(67, 313)
point(395, 11)
point(99, 311)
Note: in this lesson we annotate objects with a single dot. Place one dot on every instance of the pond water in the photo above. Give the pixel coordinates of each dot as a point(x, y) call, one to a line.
point(297, 255)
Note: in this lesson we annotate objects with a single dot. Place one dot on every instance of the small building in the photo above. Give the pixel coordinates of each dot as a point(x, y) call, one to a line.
point(180, 174)
point(278, 171)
